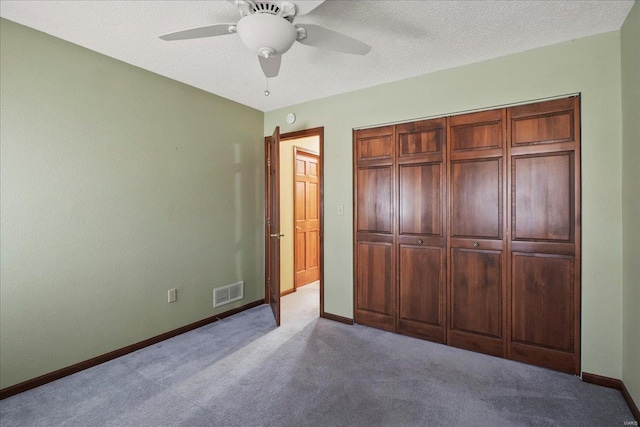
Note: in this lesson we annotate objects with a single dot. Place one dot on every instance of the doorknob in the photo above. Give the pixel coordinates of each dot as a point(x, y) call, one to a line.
point(298, 228)
point(277, 235)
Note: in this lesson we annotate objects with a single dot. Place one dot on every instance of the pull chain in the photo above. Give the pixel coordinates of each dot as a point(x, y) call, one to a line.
point(266, 91)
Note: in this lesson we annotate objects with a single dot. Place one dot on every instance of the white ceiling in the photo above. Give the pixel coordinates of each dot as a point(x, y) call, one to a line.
point(409, 38)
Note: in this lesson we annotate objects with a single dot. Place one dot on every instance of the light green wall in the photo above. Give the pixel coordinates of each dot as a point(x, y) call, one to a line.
point(630, 48)
point(286, 205)
point(590, 66)
point(117, 184)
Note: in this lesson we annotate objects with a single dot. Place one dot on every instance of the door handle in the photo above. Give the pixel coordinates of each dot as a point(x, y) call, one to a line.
point(277, 235)
point(298, 228)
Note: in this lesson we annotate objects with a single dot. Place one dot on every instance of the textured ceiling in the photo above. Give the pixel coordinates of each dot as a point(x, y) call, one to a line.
point(409, 38)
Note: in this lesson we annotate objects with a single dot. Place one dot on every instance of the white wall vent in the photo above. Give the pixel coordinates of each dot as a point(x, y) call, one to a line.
point(226, 294)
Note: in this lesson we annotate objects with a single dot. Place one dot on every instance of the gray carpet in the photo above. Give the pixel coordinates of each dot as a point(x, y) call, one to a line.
point(242, 371)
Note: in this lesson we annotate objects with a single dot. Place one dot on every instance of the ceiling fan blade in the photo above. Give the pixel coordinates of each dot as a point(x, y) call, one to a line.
point(271, 65)
point(199, 32)
point(325, 38)
point(305, 6)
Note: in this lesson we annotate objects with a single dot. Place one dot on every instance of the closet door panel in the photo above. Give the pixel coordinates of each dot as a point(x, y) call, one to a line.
point(476, 132)
point(550, 122)
point(419, 141)
point(374, 199)
point(421, 199)
point(375, 147)
point(542, 300)
point(421, 296)
point(476, 199)
point(424, 140)
point(542, 197)
point(375, 301)
point(476, 292)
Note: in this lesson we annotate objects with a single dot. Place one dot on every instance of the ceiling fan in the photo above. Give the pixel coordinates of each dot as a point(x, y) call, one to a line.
point(266, 27)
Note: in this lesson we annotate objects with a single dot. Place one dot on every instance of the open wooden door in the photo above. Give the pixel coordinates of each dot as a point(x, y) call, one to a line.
point(273, 224)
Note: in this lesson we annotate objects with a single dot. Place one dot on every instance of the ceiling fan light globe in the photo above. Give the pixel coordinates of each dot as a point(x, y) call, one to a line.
point(261, 31)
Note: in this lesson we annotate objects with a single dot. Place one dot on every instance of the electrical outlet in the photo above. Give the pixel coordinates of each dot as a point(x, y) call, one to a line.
point(173, 295)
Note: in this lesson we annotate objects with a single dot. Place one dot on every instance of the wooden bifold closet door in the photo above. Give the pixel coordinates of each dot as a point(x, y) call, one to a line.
point(544, 243)
point(477, 282)
point(374, 212)
point(421, 229)
point(467, 231)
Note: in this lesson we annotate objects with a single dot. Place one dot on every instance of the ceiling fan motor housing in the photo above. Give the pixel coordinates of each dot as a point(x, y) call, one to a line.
point(266, 34)
point(284, 9)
